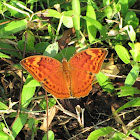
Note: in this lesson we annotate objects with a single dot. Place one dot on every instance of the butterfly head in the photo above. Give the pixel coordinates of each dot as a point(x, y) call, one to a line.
point(64, 60)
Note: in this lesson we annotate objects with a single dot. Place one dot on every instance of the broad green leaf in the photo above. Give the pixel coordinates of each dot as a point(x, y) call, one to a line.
point(134, 134)
point(19, 123)
point(123, 53)
point(3, 106)
point(4, 136)
point(67, 21)
point(118, 136)
point(98, 25)
point(131, 2)
point(8, 49)
point(108, 12)
point(27, 92)
point(104, 82)
point(111, 9)
point(133, 103)
point(13, 27)
point(90, 27)
point(2, 55)
point(43, 104)
point(68, 13)
point(65, 53)
point(32, 82)
point(76, 16)
point(131, 19)
point(128, 91)
point(124, 7)
point(100, 132)
point(52, 13)
point(135, 52)
point(50, 135)
point(51, 50)
point(2, 125)
point(29, 41)
point(106, 2)
point(15, 10)
point(132, 76)
point(51, 103)
point(40, 47)
point(31, 124)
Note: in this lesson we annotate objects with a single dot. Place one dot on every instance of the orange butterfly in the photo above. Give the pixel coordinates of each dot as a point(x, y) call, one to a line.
point(67, 79)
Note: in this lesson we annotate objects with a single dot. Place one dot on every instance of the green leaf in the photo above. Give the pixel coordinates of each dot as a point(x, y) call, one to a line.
point(68, 13)
point(51, 50)
point(27, 92)
point(43, 103)
point(134, 134)
point(133, 103)
point(104, 82)
point(76, 17)
point(13, 27)
point(29, 41)
point(90, 27)
point(16, 10)
point(31, 123)
point(2, 125)
point(131, 19)
point(132, 76)
point(31, 82)
point(124, 7)
point(4, 136)
point(8, 49)
point(128, 91)
point(131, 2)
point(123, 53)
point(118, 136)
point(50, 135)
point(135, 52)
point(52, 102)
point(2, 55)
point(52, 13)
point(18, 124)
point(65, 53)
point(40, 47)
point(108, 12)
point(67, 21)
point(3, 106)
point(97, 24)
point(100, 132)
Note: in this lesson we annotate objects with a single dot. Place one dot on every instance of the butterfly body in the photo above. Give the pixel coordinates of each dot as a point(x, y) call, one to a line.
point(67, 79)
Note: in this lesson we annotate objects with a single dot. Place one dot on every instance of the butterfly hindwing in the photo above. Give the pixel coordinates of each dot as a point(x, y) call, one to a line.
point(81, 83)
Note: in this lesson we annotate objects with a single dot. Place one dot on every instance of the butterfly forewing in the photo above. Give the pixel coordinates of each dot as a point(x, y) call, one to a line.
point(88, 60)
point(40, 67)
